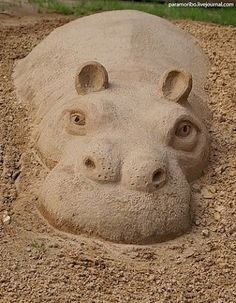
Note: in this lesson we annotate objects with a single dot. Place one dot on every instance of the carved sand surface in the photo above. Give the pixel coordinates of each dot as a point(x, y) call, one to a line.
point(40, 263)
point(118, 105)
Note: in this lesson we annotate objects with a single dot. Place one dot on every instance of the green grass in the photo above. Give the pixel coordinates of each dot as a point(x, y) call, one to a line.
point(39, 246)
point(225, 16)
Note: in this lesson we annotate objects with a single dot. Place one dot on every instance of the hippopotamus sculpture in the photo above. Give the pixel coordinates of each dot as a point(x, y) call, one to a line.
point(119, 108)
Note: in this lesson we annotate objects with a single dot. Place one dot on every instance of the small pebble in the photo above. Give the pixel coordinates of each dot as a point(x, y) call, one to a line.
point(205, 233)
point(206, 193)
point(6, 219)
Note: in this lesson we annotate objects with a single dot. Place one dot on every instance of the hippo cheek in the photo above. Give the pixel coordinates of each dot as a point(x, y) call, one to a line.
point(77, 205)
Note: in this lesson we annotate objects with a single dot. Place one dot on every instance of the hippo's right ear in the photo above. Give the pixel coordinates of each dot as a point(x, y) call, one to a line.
point(175, 85)
point(91, 77)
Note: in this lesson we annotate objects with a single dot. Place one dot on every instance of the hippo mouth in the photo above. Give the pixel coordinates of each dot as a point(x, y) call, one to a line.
point(113, 212)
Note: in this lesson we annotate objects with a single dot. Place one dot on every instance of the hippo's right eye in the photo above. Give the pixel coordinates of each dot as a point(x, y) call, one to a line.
point(77, 119)
point(75, 123)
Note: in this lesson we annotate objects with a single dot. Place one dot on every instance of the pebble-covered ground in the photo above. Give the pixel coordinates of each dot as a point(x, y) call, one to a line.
point(39, 264)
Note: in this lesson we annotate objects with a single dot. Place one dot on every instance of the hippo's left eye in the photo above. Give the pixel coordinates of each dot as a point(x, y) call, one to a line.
point(184, 129)
point(185, 136)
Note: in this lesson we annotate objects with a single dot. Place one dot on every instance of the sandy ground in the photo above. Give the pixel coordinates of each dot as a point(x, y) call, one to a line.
point(40, 264)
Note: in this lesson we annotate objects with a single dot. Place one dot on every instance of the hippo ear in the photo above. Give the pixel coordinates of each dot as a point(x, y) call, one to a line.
point(175, 85)
point(91, 77)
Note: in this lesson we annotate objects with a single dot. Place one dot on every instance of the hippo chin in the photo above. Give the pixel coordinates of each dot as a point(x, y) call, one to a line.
point(122, 135)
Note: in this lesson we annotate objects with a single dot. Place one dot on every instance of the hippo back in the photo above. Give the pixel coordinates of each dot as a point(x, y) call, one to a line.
point(134, 46)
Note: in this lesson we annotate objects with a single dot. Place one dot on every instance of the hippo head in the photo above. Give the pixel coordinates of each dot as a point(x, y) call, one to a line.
point(121, 157)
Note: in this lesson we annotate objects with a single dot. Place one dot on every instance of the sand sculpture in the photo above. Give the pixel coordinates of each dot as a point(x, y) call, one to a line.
point(118, 106)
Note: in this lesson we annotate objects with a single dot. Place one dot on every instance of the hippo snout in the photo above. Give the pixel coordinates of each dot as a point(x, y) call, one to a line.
point(145, 173)
point(100, 162)
point(138, 171)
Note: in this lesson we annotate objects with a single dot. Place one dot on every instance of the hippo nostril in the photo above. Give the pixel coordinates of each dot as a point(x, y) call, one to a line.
point(159, 177)
point(89, 163)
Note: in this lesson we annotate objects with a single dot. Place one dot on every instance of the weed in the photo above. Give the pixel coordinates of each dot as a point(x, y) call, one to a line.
point(39, 246)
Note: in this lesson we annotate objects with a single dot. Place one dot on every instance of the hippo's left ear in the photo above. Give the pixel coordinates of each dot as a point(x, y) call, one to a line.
point(91, 77)
point(175, 85)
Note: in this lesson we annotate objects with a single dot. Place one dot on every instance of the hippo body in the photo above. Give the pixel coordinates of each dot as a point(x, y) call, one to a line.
point(119, 106)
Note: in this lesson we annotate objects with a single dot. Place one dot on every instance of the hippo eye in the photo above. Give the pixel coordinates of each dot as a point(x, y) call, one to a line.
point(184, 129)
point(75, 123)
point(185, 136)
point(77, 119)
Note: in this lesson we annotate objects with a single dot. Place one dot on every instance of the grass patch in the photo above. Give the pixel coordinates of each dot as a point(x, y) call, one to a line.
point(225, 16)
point(39, 246)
